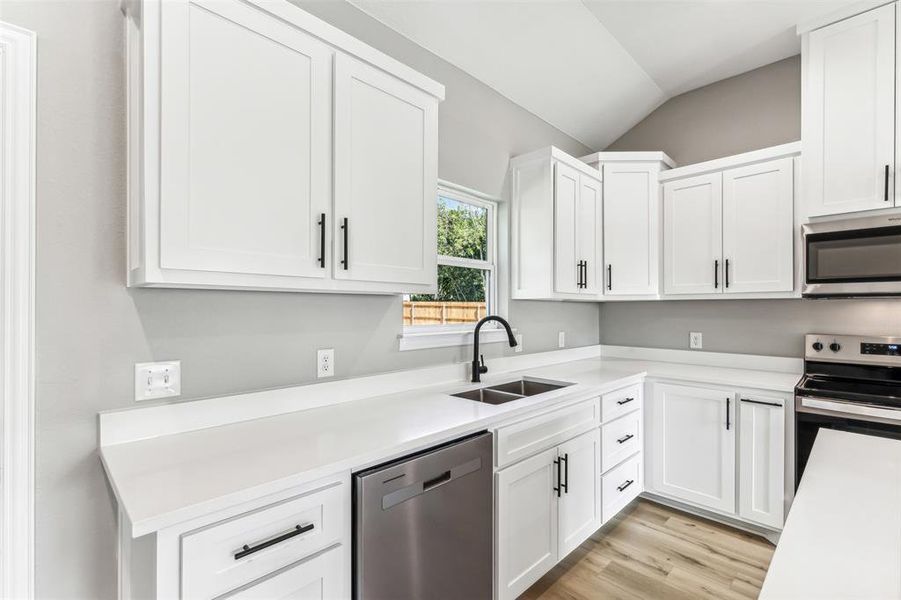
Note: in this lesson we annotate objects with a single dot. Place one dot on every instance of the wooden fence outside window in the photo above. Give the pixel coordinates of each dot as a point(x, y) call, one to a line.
point(443, 313)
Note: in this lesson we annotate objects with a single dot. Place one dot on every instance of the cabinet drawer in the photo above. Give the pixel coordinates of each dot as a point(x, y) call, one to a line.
point(525, 438)
point(620, 402)
point(226, 555)
point(321, 577)
point(620, 439)
point(620, 486)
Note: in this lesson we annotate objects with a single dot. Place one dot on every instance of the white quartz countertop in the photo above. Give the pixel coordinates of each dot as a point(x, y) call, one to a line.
point(166, 480)
point(842, 538)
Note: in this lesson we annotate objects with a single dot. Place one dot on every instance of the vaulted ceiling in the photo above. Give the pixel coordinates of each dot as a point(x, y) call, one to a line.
point(594, 68)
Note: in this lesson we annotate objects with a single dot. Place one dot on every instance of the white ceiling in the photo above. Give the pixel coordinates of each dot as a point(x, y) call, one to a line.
point(595, 68)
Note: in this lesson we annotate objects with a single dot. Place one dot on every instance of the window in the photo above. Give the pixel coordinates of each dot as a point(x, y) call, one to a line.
point(467, 273)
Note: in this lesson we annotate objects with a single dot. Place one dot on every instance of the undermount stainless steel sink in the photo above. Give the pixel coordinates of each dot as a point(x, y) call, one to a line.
point(510, 391)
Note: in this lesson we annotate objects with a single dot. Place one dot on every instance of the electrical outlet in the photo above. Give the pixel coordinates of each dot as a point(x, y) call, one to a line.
point(518, 347)
point(561, 339)
point(695, 341)
point(157, 380)
point(325, 363)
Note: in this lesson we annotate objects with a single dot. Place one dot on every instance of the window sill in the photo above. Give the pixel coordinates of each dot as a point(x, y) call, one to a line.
point(422, 340)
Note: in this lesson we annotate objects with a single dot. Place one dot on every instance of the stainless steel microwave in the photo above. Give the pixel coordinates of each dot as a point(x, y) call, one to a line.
point(853, 257)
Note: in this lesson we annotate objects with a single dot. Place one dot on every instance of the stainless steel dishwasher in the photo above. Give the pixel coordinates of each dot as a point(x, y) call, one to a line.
point(423, 525)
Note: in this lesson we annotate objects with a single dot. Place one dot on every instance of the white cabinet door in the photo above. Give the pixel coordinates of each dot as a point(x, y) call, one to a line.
point(849, 118)
point(322, 577)
point(631, 228)
point(580, 500)
point(758, 227)
point(693, 445)
point(245, 135)
point(762, 460)
point(566, 225)
point(386, 174)
point(526, 523)
point(692, 238)
point(590, 234)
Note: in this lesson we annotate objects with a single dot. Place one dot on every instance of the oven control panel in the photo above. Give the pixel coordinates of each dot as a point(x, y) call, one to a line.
point(853, 349)
point(880, 349)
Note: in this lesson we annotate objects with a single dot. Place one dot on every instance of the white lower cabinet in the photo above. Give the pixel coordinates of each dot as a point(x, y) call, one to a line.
point(552, 501)
point(762, 460)
point(718, 449)
point(546, 506)
point(526, 523)
point(579, 513)
point(318, 578)
point(693, 455)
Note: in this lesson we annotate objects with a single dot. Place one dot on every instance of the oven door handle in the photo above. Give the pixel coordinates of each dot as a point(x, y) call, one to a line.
point(813, 404)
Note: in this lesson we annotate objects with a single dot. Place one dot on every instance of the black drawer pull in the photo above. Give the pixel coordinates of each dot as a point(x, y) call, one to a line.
point(322, 241)
point(776, 404)
point(885, 197)
point(344, 225)
point(623, 440)
point(609, 277)
point(558, 488)
point(248, 550)
point(626, 401)
point(565, 483)
point(625, 485)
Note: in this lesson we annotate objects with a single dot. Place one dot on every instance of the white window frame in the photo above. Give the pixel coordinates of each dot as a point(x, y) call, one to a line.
point(418, 337)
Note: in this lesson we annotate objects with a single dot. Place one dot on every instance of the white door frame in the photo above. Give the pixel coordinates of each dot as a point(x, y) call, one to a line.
point(17, 189)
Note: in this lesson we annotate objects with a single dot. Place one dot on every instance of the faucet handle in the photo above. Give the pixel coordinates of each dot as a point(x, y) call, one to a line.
point(482, 367)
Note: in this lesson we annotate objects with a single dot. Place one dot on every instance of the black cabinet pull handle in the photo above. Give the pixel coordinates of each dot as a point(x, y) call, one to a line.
point(344, 226)
point(716, 274)
point(565, 484)
point(726, 272)
point(776, 404)
point(609, 277)
point(322, 241)
point(626, 401)
point(248, 550)
point(581, 282)
point(885, 199)
point(625, 439)
point(728, 405)
point(585, 274)
point(625, 485)
point(559, 486)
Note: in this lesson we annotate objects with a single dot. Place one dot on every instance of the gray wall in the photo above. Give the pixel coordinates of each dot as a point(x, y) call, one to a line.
point(91, 329)
point(754, 110)
point(757, 109)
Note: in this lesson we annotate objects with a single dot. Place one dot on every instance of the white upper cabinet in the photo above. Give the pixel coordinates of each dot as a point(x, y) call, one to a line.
point(254, 130)
point(729, 226)
point(567, 265)
point(758, 232)
point(589, 232)
point(631, 220)
point(245, 171)
point(386, 162)
point(848, 113)
point(556, 233)
point(693, 235)
point(693, 445)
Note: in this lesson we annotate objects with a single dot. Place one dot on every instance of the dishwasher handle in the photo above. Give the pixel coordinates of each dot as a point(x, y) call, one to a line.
point(424, 486)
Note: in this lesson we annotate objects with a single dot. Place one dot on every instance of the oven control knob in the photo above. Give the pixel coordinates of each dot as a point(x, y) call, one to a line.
point(835, 346)
point(817, 346)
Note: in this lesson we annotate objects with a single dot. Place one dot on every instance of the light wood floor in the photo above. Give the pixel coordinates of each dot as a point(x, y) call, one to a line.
point(651, 551)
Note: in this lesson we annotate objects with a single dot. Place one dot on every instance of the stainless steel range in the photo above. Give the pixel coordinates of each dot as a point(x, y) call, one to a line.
point(850, 383)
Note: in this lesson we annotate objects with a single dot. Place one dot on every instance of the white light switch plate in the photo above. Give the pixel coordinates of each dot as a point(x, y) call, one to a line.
point(518, 347)
point(325, 363)
point(157, 380)
point(695, 340)
point(561, 339)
